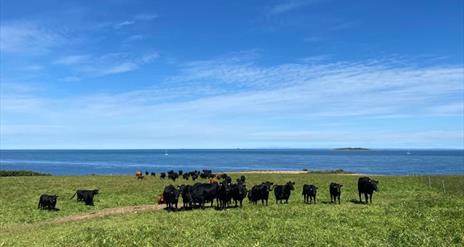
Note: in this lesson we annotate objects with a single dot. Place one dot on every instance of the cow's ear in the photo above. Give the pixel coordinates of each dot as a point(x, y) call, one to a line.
point(293, 183)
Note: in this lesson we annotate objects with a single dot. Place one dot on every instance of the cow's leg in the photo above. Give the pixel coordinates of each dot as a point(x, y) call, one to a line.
point(339, 199)
point(366, 196)
point(370, 197)
point(360, 200)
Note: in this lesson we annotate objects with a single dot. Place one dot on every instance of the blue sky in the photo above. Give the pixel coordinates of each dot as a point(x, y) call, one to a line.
point(227, 74)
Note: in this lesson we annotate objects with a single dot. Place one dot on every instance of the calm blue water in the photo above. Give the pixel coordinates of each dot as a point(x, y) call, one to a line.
point(82, 162)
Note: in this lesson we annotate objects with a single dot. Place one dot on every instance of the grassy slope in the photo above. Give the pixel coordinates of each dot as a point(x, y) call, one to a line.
point(406, 212)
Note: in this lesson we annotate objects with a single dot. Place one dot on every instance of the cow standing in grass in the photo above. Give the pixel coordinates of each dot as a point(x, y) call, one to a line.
point(203, 193)
point(86, 196)
point(335, 192)
point(47, 202)
point(238, 192)
point(283, 192)
point(261, 192)
point(171, 196)
point(367, 187)
point(186, 193)
point(309, 193)
point(224, 194)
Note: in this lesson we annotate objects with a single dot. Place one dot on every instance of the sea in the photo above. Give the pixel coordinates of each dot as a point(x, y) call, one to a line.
point(115, 162)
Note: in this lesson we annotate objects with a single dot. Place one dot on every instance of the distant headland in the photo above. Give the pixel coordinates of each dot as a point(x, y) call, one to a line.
point(352, 149)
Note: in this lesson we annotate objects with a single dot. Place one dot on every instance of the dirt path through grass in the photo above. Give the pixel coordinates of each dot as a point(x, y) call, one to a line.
point(109, 212)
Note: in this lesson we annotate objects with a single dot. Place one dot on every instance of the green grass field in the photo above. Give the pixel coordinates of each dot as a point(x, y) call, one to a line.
point(406, 212)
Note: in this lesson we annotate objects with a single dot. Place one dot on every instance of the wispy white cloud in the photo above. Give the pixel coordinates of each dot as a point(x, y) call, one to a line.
point(28, 38)
point(290, 5)
point(137, 18)
point(239, 101)
point(73, 59)
point(107, 64)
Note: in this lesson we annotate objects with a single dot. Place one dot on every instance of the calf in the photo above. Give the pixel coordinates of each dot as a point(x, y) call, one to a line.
point(335, 192)
point(283, 192)
point(309, 193)
point(367, 187)
point(238, 192)
point(186, 193)
point(224, 194)
point(171, 196)
point(47, 202)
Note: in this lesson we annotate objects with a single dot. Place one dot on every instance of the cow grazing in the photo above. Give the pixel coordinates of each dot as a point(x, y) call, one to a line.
point(186, 176)
point(238, 192)
point(194, 176)
point(335, 192)
point(171, 196)
point(261, 192)
point(47, 202)
point(203, 193)
point(163, 175)
point(309, 193)
point(153, 174)
point(283, 192)
point(180, 172)
point(367, 187)
point(186, 193)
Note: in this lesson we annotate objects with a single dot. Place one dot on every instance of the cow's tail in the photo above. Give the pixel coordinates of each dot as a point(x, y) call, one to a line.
point(73, 196)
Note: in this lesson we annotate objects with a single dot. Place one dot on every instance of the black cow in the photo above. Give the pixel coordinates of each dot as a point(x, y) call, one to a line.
point(186, 193)
point(180, 172)
point(163, 175)
point(86, 196)
point(238, 192)
point(47, 202)
point(228, 179)
point(194, 176)
point(241, 179)
point(335, 192)
point(153, 174)
point(204, 192)
point(173, 176)
point(283, 192)
point(261, 192)
point(224, 194)
point(171, 196)
point(309, 193)
point(146, 173)
point(186, 176)
point(367, 187)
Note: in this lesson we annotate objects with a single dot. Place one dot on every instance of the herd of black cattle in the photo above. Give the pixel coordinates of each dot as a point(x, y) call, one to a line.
point(220, 188)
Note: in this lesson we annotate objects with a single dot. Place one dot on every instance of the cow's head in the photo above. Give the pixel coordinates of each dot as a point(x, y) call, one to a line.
point(375, 184)
point(268, 185)
point(291, 185)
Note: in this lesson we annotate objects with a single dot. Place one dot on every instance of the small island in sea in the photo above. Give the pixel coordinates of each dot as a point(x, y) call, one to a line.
point(352, 149)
